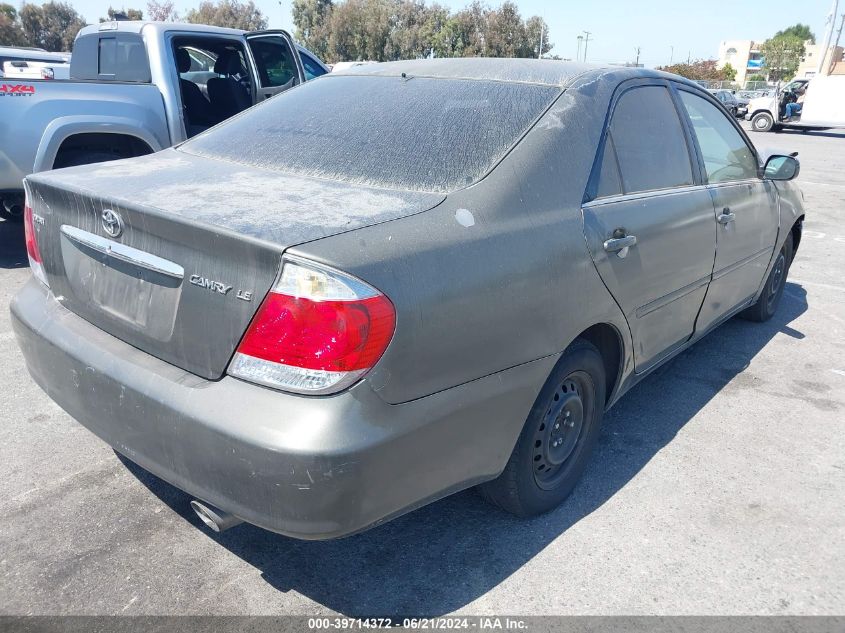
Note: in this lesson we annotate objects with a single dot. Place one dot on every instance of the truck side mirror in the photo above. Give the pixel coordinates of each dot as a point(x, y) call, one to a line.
point(779, 167)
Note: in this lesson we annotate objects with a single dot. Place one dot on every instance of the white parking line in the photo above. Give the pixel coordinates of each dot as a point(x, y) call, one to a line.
point(817, 284)
point(838, 371)
point(823, 184)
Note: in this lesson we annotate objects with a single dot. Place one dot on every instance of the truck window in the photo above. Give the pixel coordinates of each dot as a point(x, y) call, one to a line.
point(114, 56)
point(214, 83)
point(313, 69)
point(274, 61)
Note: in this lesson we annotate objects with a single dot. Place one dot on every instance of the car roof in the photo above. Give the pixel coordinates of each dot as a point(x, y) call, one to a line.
point(136, 26)
point(537, 71)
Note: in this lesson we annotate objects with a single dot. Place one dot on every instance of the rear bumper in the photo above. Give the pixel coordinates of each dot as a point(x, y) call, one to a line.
point(306, 467)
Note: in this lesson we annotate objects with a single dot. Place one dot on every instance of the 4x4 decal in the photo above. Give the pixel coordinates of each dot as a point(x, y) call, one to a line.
point(16, 90)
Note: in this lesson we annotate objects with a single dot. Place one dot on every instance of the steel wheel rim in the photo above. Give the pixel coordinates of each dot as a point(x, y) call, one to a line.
point(761, 122)
point(778, 277)
point(558, 437)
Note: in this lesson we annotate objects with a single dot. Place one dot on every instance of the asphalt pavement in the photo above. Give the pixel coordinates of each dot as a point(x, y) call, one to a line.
point(718, 487)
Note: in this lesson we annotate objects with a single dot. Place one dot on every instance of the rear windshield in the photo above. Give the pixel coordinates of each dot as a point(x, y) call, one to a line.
point(415, 134)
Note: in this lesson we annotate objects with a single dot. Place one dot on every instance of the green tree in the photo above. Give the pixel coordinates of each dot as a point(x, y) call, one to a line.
point(122, 14)
point(383, 30)
point(163, 11)
point(799, 30)
point(52, 26)
point(782, 54)
point(11, 33)
point(537, 32)
point(702, 70)
point(505, 36)
point(311, 19)
point(233, 14)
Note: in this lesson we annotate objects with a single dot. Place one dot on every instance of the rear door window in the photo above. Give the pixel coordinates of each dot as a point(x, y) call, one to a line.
point(651, 149)
point(726, 155)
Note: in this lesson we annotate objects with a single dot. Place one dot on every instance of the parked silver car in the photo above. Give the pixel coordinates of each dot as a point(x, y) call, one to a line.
point(393, 283)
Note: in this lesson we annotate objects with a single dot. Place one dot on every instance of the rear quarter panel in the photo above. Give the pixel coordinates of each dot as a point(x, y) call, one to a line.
point(498, 274)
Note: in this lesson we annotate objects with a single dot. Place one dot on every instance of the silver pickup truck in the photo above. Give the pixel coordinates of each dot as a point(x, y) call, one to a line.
point(136, 88)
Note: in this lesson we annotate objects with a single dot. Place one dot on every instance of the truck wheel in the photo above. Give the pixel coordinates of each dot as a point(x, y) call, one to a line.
point(83, 157)
point(769, 300)
point(762, 122)
point(558, 437)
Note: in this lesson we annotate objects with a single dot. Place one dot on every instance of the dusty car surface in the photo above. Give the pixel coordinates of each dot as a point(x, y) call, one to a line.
point(390, 284)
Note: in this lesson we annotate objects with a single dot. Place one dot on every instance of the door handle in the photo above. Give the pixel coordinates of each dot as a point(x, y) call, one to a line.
point(620, 245)
point(726, 217)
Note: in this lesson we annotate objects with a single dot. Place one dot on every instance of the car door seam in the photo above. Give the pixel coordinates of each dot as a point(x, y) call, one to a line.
point(665, 300)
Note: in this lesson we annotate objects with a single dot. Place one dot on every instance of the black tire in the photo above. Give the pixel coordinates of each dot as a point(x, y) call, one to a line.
point(762, 122)
point(769, 300)
point(558, 437)
point(84, 157)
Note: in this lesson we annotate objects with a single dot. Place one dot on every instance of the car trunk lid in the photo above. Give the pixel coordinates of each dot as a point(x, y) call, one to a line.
point(173, 254)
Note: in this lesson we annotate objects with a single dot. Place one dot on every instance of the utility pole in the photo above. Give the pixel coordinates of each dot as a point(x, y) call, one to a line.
point(836, 44)
point(671, 54)
point(637, 63)
point(578, 54)
point(586, 42)
point(831, 18)
point(540, 47)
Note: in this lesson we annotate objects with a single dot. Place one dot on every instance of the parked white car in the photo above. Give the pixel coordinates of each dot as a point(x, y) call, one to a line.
point(823, 107)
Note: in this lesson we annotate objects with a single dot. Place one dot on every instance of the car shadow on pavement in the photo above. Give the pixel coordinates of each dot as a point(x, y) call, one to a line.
point(12, 245)
point(811, 132)
point(443, 556)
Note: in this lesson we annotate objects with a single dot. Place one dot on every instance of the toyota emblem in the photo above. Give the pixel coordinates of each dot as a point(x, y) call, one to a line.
point(112, 224)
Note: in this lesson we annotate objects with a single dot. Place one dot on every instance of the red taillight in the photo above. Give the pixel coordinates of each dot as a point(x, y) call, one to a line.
point(31, 236)
point(29, 233)
point(318, 331)
point(327, 335)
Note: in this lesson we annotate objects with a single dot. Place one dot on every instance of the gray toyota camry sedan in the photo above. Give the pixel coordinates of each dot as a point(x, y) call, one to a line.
point(388, 285)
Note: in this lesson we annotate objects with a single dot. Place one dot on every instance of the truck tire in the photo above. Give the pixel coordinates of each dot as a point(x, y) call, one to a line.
point(558, 437)
point(762, 122)
point(769, 300)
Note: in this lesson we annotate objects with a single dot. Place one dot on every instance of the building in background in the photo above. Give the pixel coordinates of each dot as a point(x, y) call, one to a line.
point(745, 57)
point(833, 63)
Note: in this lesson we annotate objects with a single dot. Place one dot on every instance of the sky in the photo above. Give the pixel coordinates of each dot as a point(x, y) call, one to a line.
point(662, 29)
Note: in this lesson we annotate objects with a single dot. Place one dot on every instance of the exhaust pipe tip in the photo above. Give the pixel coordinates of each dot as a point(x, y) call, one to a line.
point(217, 520)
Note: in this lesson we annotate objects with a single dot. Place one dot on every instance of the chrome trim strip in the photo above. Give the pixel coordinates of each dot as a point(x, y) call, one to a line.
point(643, 195)
point(123, 253)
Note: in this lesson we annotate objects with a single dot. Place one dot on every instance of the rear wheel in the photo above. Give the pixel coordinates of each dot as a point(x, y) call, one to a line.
point(762, 122)
point(558, 437)
point(769, 300)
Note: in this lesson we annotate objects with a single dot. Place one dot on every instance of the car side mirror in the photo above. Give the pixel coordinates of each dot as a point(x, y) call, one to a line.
point(779, 167)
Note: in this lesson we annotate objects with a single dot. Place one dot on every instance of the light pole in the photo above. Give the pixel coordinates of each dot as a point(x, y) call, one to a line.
point(578, 54)
point(671, 54)
point(587, 35)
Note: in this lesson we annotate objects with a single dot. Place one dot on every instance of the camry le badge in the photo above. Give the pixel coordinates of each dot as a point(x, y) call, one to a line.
point(112, 223)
